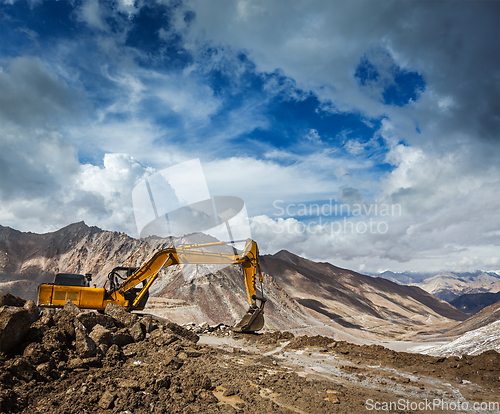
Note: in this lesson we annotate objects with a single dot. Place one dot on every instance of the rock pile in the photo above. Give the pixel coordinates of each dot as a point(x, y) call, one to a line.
point(74, 361)
point(44, 347)
point(204, 328)
point(16, 317)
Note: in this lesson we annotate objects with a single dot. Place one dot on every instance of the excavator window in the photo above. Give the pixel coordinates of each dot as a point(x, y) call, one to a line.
point(71, 279)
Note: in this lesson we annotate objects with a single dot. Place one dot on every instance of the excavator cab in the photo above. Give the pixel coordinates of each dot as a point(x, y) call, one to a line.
point(122, 273)
point(73, 279)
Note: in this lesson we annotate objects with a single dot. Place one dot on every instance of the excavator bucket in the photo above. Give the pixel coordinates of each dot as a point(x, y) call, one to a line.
point(253, 319)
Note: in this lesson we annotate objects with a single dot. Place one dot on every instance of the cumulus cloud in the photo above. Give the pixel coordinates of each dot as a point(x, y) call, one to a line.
point(453, 238)
point(113, 184)
point(44, 185)
point(63, 194)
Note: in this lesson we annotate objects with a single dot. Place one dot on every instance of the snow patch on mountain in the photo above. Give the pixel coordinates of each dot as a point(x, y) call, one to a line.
point(471, 343)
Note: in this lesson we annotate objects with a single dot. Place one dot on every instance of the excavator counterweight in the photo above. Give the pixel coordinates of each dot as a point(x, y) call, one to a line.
point(76, 287)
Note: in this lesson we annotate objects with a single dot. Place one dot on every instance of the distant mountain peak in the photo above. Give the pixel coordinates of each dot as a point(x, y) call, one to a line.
point(77, 225)
point(285, 254)
point(290, 257)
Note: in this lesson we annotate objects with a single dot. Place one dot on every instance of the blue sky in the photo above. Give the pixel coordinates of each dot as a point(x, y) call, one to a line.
point(284, 102)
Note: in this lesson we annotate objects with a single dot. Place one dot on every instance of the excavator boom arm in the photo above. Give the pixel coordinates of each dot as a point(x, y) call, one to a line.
point(193, 254)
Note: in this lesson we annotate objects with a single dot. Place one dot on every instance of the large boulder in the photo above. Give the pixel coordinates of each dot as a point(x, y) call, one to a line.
point(163, 339)
point(45, 320)
point(117, 312)
point(122, 337)
point(64, 318)
point(137, 331)
point(85, 345)
point(147, 322)
point(40, 326)
point(15, 323)
point(11, 300)
point(101, 336)
point(179, 330)
point(90, 319)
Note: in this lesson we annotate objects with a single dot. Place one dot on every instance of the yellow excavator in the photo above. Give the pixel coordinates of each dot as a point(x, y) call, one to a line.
point(77, 287)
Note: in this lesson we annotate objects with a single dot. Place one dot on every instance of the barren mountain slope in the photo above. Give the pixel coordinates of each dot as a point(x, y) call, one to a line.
point(76, 248)
point(220, 297)
point(485, 317)
point(356, 301)
point(472, 303)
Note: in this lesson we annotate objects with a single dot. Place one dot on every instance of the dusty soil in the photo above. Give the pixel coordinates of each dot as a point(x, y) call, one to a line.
point(84, 362)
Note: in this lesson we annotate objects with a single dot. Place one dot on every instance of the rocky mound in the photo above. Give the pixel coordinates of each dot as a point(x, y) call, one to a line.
point(43, 350)
point(304, 341)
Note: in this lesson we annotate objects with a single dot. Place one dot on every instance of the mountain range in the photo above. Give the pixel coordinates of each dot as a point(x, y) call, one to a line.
point(403, 278)
point(303, 296)
point(449, 285)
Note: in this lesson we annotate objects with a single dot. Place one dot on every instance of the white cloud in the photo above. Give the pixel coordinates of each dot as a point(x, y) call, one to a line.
point(354, 147)
point(113, 183)
point(31, 93)
point(198, 102)
point(130, 7)
point(445, 103)
point(450, 217)
point(313, 135)
point(91, 13)
point(43, 185)
point(64, 193)
point(377, 242)
point(306, 178)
